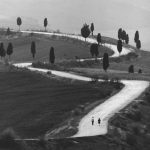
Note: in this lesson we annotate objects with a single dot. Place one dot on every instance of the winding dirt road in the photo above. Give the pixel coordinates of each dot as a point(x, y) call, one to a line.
point(131, 91)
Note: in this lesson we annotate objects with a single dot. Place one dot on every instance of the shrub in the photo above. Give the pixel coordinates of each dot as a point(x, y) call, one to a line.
point(49, 72)
point(140, 71)
point(94, 79)
point(131, 55)
point(31, 34)
point(131, 69)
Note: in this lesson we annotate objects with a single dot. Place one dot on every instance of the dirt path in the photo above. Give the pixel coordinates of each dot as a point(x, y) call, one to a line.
point(107, 109)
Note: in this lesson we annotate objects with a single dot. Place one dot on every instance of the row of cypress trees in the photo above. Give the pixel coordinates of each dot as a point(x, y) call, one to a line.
point(122, 37)
point(8, 51)
point(85, 32)
point(19, 22)
point(51, 53)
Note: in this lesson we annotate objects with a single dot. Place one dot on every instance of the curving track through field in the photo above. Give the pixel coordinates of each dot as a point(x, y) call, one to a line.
point(132, 90)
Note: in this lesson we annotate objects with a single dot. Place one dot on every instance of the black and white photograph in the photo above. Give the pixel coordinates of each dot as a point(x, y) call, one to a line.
point(74, 75)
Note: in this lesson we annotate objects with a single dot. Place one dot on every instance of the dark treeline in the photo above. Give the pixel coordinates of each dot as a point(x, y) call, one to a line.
point(86, 30)
point(8, 51)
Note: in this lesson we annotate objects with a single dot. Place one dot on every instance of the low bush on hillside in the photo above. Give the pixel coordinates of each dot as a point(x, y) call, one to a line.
point(131, 69)
point(62, 66)
point(94, 79)
point(129, 57)
point(140, 71)
point(48, 66)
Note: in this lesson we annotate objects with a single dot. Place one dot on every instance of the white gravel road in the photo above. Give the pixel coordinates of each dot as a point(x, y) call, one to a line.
point(106, 110)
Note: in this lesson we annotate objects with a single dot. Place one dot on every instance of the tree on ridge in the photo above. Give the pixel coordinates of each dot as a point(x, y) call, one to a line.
point(19, 22)
point(45, 23)
point(85, 31)
point(92, 28)
point(136, 37)
point(120, 33)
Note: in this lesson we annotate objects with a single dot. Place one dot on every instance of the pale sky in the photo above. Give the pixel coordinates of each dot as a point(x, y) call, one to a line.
point(69, 15)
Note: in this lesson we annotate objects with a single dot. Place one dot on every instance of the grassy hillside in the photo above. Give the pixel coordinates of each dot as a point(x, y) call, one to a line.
point(65, 48)
point(118, 67)
point(32, 104)
point(128, 130)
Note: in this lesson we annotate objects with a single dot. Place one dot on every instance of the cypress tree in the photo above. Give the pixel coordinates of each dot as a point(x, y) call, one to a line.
point(85, 31)
point(138, 44)
point(92, 28)
point(127, 39)
point(19, 22)
point(120, 33)
point(9, 49)
point(52, 56)
point(99, 38)
point(123, 35)
point(45, 23)
point(2, 50)
point(119, 46)
point(105, 61)
point(131, 69)
point(94, 50)
point(33, 49)
point(136, 37)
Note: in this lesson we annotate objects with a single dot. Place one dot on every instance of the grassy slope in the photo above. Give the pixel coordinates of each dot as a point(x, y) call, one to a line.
point(128, 130)
point(118, 67)
point(109, 141)
point(64, 48)
point(33, 104)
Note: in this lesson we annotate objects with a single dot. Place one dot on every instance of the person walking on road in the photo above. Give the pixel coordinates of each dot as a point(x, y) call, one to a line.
point(99, 121)
point(92, 121)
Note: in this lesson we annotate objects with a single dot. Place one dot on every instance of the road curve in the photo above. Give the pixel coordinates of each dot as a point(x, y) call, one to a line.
point(125, 50)
point(106, 110)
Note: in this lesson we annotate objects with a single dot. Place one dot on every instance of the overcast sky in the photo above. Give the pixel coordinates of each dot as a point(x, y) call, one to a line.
point(69, 15)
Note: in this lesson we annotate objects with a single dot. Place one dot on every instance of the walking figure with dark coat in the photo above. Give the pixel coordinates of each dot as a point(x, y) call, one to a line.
point(99, 121)
point(92, 121)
